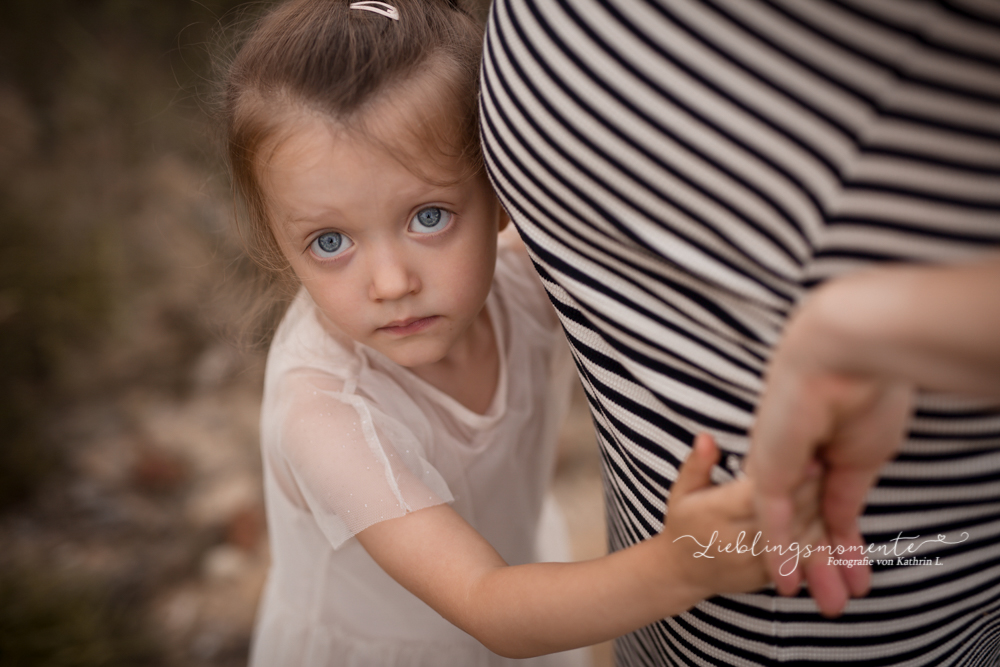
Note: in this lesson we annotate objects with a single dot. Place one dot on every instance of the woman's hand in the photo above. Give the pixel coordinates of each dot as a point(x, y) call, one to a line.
point(839, 391)
point(849, 426)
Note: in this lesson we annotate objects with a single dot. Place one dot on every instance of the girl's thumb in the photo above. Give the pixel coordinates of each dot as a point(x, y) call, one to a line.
point(696, 472)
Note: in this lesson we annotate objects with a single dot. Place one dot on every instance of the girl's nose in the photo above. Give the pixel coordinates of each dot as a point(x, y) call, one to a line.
point(391, 278)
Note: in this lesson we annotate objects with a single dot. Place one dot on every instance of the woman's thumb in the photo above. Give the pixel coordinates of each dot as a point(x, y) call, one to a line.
point(696, 471)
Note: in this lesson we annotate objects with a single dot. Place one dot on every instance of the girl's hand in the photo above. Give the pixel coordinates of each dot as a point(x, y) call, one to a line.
point(539, 608)
point(712, 530)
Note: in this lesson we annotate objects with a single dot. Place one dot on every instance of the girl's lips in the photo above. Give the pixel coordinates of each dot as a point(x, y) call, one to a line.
point(407, 327)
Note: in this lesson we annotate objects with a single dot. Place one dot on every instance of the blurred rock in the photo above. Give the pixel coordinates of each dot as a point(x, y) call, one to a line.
point(224, 563)
point(219, 499)
point(106, 461)
point(177, 612)
point(246, 529)
point(157, 471)
point(216, 365)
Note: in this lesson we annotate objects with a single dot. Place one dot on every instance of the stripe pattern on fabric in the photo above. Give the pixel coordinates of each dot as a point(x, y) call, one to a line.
point(683, 173)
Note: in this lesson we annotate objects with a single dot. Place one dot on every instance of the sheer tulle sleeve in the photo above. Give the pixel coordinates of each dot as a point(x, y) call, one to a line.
point(352, 464)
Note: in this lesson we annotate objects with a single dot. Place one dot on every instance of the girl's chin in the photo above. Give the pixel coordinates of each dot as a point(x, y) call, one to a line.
point(414, 355)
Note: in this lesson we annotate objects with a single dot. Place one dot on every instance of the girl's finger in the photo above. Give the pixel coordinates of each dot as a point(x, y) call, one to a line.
point(695, 473)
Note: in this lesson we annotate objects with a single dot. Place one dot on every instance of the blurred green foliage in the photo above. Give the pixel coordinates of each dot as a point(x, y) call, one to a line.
point(100, 101)
point(89, 76)
point(51, 622)
point(41, 42)
point(53, 297)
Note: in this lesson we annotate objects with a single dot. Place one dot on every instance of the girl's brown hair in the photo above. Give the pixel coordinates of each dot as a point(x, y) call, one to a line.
point(321, 56)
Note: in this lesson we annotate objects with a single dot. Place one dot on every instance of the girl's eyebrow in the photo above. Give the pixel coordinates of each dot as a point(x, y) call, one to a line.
point(321, 217)
point(307, 220)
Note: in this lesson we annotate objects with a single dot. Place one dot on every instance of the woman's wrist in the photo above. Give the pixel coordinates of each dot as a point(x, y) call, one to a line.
point(931, 327)
point(844, 327)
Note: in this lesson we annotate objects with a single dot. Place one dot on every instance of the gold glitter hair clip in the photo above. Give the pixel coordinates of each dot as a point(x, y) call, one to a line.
point(381, 8)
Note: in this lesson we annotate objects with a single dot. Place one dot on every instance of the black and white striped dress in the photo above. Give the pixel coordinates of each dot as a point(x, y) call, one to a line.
point(683, 173)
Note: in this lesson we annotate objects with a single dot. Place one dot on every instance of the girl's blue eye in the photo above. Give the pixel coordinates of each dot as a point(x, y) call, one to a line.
point(330, 244)
point(430, 220)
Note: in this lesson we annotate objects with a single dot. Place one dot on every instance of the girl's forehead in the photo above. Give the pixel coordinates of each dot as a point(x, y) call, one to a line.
point(313, 141)
point(419, 122)
point(321, 164)
point(425, 155)
point(422, 121)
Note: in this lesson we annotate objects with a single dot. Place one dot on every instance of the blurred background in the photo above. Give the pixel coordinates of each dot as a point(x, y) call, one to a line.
point(131, 517)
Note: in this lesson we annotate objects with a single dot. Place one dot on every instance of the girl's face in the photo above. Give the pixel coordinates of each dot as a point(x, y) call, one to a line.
point(391, 260)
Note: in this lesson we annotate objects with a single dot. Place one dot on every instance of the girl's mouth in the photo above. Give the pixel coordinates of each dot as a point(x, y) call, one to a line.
point(409, 326)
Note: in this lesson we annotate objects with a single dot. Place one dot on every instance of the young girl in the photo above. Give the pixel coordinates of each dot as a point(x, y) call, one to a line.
point(417, 382)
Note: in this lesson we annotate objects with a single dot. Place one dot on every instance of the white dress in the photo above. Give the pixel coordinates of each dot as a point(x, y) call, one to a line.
point(350, 438)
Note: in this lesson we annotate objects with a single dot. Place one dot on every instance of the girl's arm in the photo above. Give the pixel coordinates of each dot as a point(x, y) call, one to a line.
point(527, 610)
point(840, 385)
